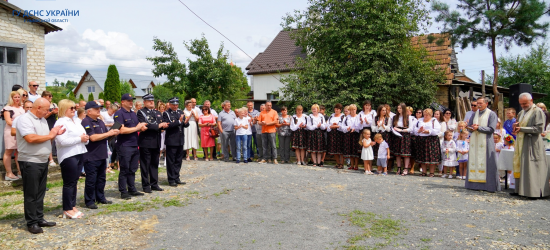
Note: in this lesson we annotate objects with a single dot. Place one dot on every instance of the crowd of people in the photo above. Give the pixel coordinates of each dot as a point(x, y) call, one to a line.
point(89, 139)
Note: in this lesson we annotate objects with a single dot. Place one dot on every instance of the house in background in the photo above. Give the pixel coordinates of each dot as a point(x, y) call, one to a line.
point(268, 67)
point(22, 55)
point(94, 82)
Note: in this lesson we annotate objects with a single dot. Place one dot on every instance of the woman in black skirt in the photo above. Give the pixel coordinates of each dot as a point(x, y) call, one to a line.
point(381, 126)
point(316, 145)
point(428, 147)
point(416, 115)
point(401, 145)
point(298, 124)
point(335, 136)
point(352, 127)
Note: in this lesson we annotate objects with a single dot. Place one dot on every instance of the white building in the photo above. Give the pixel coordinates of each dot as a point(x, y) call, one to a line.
point(268, 67)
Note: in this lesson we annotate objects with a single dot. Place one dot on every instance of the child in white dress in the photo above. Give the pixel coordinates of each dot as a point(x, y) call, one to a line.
point(509, 144)
point(448, 151)
point(462, 148)
point(499, 145)
point(367, 154)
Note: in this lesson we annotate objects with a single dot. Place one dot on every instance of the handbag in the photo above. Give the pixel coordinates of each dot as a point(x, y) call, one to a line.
point(214, 132)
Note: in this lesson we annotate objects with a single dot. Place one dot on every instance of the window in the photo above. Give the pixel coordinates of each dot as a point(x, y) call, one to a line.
point(13, 56)
point(91, 89)
point(149, 90)
point(1, 55)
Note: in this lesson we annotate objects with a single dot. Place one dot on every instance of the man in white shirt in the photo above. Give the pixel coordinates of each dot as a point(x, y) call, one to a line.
point(33, 94)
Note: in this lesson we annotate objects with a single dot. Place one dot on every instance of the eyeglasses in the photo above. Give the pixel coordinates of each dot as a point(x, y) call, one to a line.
point(48, 96)
point(419, 112)
point(72, 108)
point(474, 105)
point(34, 86)
point(447, 113)
point(25, 95)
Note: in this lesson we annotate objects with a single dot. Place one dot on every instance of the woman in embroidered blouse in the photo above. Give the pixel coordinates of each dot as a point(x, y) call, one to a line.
point(71, 145)
point(352, 126)
point(316, 140)
point(367, 115)
point(335, 136)
point(429, 154)
point(381, 126)
point(449, 120)
point(284, 133)
point(191, 138)
point(10, 112)
point(443, 125)
point(401, 145)
point(298, 125)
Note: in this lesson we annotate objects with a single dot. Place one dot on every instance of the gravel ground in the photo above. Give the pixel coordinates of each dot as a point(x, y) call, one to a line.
point(254, 206)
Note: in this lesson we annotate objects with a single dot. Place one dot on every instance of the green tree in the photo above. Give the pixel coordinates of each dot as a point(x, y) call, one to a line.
point(162, 93)
point(91, 97)
point(81, 97)
point(101, 95)
point(72, 97)
point(55, 83)
point(532, 68)
point(112, 85)
point(493, 23)
point(359, 50)
point(208, 76)
point(70, 85)
point(126, 88)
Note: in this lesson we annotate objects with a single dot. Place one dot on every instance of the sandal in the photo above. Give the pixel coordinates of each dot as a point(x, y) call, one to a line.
point(68, 216)
point(340, 166)
point(423, 174)
point(398, 171)
point(432, 175)
point(350, 168)
point(405, 172)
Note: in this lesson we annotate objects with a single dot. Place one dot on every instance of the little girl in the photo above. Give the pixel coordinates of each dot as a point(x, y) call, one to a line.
point(448, 150)
point(461, 126)
point(509, 144)
point(383, 155)
point(366, 152)
point(462, 147)
point(499, 145)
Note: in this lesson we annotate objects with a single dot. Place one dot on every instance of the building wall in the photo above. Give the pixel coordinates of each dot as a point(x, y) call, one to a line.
point(84, 89)
point(15, 30)
point(266, 83)
point(442, 95)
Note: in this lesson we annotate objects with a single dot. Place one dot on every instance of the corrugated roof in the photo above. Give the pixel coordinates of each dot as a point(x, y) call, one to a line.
point(48, 27)
point(279, 56)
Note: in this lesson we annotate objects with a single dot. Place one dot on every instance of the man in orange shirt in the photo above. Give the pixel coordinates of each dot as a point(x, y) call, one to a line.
point(268, 118)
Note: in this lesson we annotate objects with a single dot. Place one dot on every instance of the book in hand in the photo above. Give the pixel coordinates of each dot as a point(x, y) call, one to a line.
point(117, 125)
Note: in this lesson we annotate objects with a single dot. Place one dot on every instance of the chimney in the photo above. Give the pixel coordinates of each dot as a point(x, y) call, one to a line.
point(464, 71)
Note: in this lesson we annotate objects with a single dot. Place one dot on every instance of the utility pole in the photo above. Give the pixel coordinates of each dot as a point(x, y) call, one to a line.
point(483, 83)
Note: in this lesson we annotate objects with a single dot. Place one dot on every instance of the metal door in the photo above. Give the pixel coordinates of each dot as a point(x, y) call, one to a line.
point(13, 70)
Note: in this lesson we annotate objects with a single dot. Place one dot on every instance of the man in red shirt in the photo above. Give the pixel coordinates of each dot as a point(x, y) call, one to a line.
point(268, 118)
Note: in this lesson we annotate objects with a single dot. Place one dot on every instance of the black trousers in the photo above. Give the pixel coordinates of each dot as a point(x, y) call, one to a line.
point(174, 157)
point(94, 191)
point(128, 159)
point(35, 176)
point(70, 172)
point(149, 165)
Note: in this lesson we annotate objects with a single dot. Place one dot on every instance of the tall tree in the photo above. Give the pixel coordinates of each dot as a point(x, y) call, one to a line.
point(359, 50)
point(112, 85)
point(101, 95)
point(163, 93)
point(71, 97)
point(211, 77)
point(81, 97)
point(531, 68)
point(493, 23)
point(91, 97)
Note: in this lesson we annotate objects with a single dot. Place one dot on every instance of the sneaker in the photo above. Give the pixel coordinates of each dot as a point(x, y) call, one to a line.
point(245, 161)
point(450, 176)
point(444, 176)
point(459, 177)
point(275, 162)
point(464, 177)
point(238, 162)
point(52, 164)
point(384, 174)
point(262, 162)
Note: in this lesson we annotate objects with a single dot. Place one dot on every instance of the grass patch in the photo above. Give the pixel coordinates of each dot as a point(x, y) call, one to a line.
point(13, 216)
point(9, 204)
point(426, 239)
point(55, 184)
point(127, 207)
point(113, 176)
point(373, 226)
point(225, 191)
point(10, 193)
point(173, 203)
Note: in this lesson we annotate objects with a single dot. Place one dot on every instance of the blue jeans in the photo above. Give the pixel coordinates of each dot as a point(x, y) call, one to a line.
point(249, 145)
point(242, 139)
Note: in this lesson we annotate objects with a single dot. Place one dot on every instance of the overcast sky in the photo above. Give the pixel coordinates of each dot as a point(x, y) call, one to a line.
point(121, 32)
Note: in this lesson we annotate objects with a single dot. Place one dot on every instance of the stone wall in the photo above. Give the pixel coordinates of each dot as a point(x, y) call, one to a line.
point(13, 29)
point(442, 95)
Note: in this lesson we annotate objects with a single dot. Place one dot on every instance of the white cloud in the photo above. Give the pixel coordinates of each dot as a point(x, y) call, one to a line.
point(263, 42)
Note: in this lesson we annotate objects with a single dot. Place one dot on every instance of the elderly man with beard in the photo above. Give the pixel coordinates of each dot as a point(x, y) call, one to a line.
point(530, 167)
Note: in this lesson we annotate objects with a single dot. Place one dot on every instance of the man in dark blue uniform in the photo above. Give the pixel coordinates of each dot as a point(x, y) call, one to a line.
point(127, 147)
point(95, 160)
point(174, 141)
point(149, 144)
